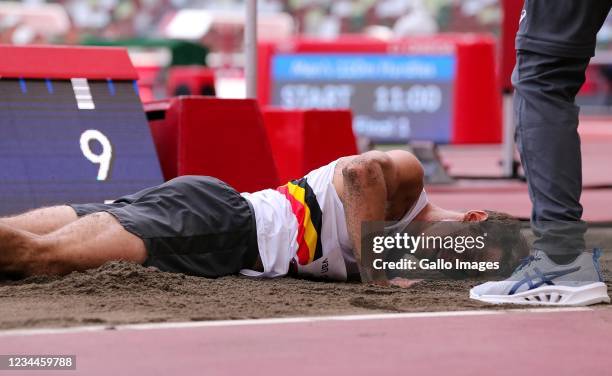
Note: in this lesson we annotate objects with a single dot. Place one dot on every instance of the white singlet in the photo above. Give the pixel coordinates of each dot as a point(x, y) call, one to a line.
point(301, 229)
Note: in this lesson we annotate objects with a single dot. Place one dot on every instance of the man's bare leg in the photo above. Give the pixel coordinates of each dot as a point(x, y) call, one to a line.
point(42, 221)
point(83, 244)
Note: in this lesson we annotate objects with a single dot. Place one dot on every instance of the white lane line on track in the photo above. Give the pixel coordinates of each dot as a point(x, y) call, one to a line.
point(286, 320)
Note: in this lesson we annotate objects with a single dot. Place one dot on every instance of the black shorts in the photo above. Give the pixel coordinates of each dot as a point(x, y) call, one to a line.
point(195, 225)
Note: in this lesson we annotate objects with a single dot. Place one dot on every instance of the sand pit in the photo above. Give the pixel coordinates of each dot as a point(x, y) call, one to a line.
point(122, 293)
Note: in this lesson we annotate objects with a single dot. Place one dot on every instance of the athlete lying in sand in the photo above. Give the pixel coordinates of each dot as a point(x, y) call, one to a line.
point(198, 225)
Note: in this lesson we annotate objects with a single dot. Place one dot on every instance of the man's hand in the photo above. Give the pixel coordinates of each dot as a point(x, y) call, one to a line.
point(397, 282)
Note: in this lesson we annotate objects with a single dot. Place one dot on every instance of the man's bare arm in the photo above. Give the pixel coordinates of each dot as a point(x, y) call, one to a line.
point(373, 179)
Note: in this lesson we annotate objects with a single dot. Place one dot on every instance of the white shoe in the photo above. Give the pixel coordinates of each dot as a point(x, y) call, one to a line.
point(540, 281)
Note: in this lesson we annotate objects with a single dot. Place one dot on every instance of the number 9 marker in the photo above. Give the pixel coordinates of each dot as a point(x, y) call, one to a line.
point(103, 159)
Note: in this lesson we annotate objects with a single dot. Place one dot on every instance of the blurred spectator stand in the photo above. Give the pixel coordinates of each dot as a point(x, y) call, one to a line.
point(152, 56)
point(190, 80)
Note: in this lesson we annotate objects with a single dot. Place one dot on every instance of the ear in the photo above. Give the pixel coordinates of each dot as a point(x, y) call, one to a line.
point(475, 216)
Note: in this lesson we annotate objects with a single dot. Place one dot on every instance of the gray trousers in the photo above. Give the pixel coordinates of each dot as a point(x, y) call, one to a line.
point(555, 42)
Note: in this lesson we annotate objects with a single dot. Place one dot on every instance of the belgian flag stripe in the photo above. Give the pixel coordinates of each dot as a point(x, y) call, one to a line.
point(308, 214)
point(316, 215)
point(309, 235)
point(297, 208)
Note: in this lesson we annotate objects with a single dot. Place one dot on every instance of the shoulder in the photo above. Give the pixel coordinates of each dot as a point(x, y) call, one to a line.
point(400, 159)
point(408, 166)
point(400, 166)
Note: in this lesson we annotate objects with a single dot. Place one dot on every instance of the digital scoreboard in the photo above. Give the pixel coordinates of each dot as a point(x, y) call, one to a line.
point(394, 98)
point(442, 88)
point(72, 140)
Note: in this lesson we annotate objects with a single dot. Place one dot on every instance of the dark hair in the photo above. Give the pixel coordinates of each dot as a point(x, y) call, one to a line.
point(493, 215)
point(504, 232)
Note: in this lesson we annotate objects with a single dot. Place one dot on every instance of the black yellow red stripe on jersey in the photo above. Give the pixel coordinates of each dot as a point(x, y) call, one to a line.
point(309, 218)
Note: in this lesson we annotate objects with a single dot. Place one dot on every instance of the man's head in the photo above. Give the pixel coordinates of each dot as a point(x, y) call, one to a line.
point(499, 234)
point(505, 241)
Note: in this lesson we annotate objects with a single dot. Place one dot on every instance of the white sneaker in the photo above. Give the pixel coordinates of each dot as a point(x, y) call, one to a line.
point(539, 280)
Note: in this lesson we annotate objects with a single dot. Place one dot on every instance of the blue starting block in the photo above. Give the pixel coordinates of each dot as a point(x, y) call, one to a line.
point(72, 128)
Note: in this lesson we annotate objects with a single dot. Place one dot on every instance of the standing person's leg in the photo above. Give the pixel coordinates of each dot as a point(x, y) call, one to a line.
point(555, 41)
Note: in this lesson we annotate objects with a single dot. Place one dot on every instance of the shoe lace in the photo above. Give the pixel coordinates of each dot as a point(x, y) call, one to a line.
point(525, 261)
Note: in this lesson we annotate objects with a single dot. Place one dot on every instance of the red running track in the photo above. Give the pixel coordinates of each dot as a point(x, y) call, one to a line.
point(481, 343)
point(512, 196)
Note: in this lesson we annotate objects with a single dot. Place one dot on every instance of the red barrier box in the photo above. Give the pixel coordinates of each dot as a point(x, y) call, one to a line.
point(224, 138)
point(303, 140)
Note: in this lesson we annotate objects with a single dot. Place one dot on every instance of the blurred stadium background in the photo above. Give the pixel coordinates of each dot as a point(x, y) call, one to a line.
point(335, 77)
point(454, 119)
point(219, 27)
point(220, 30)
